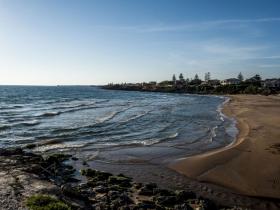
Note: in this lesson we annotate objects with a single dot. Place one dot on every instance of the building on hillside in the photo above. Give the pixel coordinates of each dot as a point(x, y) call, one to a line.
point(180, 84)
point(254, 80)
point(271, 83)
point(212, 82)
point(231, 81)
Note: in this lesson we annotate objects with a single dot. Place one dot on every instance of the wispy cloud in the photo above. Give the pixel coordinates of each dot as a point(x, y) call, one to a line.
point(269, 66)
point(272, 57)
point(192, 25)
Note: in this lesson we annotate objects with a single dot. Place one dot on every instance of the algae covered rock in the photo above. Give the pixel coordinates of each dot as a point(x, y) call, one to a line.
point(45, 202)
point(121, 181)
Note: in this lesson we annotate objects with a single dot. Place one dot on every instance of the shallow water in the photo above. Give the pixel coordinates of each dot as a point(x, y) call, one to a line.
point(90, 119)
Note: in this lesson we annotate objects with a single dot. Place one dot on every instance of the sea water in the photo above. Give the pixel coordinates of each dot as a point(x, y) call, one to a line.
point(62, 118)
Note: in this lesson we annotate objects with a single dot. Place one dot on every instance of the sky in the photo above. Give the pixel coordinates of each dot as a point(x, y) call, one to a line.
point(87, 42)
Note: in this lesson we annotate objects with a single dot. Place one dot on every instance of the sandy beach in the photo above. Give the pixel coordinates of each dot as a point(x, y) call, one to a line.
point(251, 165)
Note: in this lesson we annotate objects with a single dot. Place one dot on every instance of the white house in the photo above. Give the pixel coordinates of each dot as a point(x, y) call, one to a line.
point(271, 83)
point(231, 81)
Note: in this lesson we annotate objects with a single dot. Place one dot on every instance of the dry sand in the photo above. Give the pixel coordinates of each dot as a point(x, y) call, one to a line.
point(251, 165)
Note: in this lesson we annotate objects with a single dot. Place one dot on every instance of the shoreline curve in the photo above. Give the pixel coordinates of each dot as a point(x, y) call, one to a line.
point(249, 165)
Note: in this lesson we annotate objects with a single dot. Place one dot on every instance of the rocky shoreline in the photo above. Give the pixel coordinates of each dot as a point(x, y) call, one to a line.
point(30, 181)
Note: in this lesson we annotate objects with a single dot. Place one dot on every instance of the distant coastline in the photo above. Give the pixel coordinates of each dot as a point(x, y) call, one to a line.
point(253, 85)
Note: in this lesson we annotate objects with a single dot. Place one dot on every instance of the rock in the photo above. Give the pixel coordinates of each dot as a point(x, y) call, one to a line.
point(118, 188)
point(75, 158)
point(87, 192)
point(151, 186)
point(124, 199)
point(57, 158)
point(138, 185)
point(11, 152)
point(208, 204)
point(72, 192)
point(124, 182)
point(183, 207)
point(113, 195)
point(85, 163)
point(145, 205)
point(163, 192)
point(125, 208)
point(183, 195)
point(30, 146)
point(146, 192)
point(203, 204)
point(95, 175)
point(147, 189)
point(167, 201)
point(101, 189)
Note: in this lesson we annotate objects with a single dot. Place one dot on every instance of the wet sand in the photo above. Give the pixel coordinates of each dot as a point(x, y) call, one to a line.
point(251, 165)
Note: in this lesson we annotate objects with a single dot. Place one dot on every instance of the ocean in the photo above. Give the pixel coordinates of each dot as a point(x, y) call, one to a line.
point(89, 119)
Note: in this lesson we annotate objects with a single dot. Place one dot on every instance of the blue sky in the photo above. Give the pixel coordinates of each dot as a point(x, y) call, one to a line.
point(96, 42)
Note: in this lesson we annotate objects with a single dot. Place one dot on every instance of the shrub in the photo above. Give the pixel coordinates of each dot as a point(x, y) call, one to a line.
point(45, 202)
point(251, 89)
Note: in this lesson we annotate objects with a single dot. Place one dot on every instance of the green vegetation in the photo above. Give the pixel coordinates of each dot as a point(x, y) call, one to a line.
point(253, 85)
point(45, 202)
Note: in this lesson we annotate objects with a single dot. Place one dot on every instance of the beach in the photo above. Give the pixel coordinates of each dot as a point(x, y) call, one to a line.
point(249, 166)
point(221, 177)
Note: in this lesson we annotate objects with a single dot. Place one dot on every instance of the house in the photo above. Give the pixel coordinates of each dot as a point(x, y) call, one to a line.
point(254, 80)
point(180, 84)
point(213, 82)
point(231, 81)
point(271, 83)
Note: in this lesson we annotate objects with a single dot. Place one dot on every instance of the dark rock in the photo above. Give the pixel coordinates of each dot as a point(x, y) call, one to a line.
point(101, 189)
point(10, 152)
point(75, 158)
point(166, 200)
point(125, 208)
point(118, 188)
point(124, 182)
point(88, 192)
point(57, 158)
point(146, 192)
point(113, 195)
point(72, 192)
point(145, 205)
point(163, 192)
point(138, 185)
point(124, 199)
point(183, 207)
point(30, 146)
point(148, 189)
point(95, 175)
point(85, 163)
point(151, 186)
point(208, 204)
point(183, 195)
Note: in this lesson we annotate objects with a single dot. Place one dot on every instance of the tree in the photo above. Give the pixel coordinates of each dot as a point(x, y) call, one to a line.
point(240, 77)
point(181, 77)
point(257, 77)
point(207, 76)
point(196, 80)
point(174, 79)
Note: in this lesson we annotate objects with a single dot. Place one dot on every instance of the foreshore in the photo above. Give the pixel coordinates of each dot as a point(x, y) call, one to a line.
point(251, 165)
